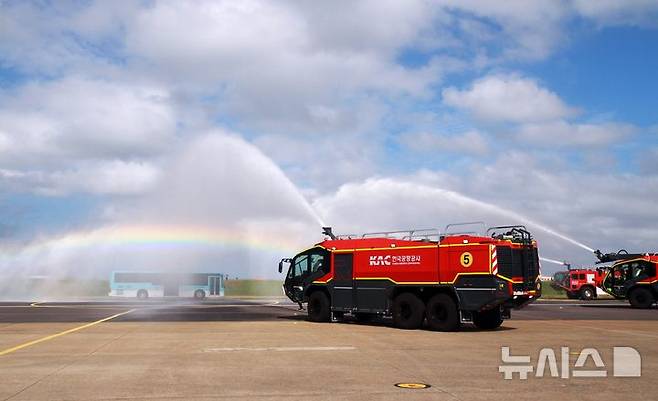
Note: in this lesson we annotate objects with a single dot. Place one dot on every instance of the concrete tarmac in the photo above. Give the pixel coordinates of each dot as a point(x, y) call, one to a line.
point(265, 350)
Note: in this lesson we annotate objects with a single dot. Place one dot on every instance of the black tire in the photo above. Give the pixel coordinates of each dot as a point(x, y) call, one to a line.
point(587, 293)
point(319, 309)
point(442, 313)
point(641, 298)
point(199, 294)
point(142, 294)
point(408, 311)
point(488, 320)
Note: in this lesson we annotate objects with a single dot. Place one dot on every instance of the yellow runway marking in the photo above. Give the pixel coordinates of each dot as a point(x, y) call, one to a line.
point(69, 331)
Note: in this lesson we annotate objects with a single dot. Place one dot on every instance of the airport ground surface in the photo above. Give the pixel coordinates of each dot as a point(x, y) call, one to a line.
point(263, 349)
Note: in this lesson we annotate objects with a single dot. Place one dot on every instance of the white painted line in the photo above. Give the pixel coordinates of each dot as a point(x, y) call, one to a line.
point(278, 349)
point(63, 333)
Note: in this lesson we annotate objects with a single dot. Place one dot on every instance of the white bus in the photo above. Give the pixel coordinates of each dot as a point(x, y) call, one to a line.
point(157, 284)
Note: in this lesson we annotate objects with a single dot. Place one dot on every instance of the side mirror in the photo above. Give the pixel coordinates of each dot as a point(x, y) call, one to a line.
point(284, 260)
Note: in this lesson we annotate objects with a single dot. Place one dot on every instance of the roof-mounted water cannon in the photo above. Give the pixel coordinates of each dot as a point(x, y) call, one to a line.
point(514, 233)
point(327, 231)
point(622, 254)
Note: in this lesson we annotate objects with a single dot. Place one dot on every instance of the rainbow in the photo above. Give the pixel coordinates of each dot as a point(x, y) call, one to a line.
point(165, 236)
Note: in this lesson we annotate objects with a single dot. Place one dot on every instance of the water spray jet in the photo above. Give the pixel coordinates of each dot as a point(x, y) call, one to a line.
point(504, 212)
point(557, 262)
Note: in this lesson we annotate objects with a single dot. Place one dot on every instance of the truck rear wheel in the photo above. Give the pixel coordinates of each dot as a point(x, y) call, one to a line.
point(587, 294)
point(319, 309)
point(408, 311)
point(442, 313)
point(488, 320)
point(641, 298)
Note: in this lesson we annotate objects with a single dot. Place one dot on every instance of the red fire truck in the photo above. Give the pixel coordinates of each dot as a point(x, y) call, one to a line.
point(631, 276)
point(417, 277)
point(579, 283)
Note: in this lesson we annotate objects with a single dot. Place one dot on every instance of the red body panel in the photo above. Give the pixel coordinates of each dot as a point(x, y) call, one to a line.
point(580, 277)
point(415, 262)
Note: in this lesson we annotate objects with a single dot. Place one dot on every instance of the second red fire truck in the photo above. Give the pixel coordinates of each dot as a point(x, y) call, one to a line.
point(630, 276)
point(416, 277)
point(579, 283)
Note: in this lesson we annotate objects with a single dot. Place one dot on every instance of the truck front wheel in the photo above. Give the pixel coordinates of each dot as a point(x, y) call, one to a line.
point(319, 309)
point(408, 311)
point(587, 294)
point(641, 298)
point(488, 320)
point(442, 313)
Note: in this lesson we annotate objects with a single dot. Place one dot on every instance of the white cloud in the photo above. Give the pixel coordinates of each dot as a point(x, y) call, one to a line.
point(561, 133)
point(525, 30)
point(470, 142)
point(324, 162)
point(280, 62)
point(216, 179)
point(499, 98)
point(76, 135)
point(612, 12)
point(114, 177)
point(79, 118)
point(649, 161)
point(56, 39)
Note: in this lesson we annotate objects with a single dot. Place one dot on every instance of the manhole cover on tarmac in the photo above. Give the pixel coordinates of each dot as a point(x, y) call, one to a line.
point(412, 386)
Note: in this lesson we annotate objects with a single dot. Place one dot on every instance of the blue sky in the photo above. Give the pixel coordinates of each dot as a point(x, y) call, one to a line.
point(609, 70)
point(369, 109)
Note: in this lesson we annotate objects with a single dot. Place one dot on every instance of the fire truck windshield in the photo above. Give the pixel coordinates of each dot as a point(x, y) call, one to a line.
point(561, 277)
point(307, 263)
point(304, 268)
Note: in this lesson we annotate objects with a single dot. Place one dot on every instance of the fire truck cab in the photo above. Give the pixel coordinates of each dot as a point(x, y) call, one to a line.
point(417, 277)
point(631, 276)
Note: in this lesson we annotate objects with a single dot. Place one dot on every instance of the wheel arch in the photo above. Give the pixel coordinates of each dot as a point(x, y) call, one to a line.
point(651, 288)
point(311, 289)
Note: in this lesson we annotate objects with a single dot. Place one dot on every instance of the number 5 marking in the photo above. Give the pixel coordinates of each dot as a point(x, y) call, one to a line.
point(466, 259)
